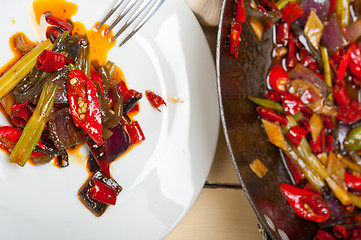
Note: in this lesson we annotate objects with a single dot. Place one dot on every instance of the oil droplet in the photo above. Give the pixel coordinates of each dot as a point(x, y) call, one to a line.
point(12, 21)
point(60, 8)
point(100, 44)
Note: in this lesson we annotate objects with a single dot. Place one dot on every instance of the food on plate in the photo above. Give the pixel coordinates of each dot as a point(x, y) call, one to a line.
point(61, 94)
point(312, 109)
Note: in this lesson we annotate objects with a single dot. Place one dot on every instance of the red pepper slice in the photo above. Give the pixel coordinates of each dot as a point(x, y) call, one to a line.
point(278, 78)
point(328, 122)
point(340, 232)
point(291, 103)
point(234, 39)
point(344, 63)
point(50, 61)
point(352, 181)
point(296, 134)
point(135, 132)
point(94, 76)
point(291, 12)
point(271, 115)
point(82, 90)
point(100, 154)
point(283, 33)
point(17, 106)
point(306, 204)
point(102, 192)
point(323, 235)
point(154, 100)
point(240, 15)
point(21, 115)
point(130, 100)
point(66, 26)
point(355, 62)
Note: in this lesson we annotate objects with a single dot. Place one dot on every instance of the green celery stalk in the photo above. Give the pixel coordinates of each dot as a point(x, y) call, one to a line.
point(35, 126)
point(327, 69)
point(21, 68)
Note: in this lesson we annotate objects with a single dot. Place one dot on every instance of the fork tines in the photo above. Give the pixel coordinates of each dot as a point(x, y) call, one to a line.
point(133, 13)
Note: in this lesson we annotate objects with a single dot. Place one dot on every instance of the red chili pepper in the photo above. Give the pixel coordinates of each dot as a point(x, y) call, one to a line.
point(278, 78)
point(332, 7)
point(340, 95)
point(269, 3)
point(82, 90)
point(50, 61)
point(296, 134)
point(53, 33)
point(273, 95)
point(340, 231)
point(323, 235)
point(17, 106)
point(240, 15)
point(234, 39)
point(291, 103)
point(355, 62)
point(306, 204)
point(328, 122)
point(271, 115)
point(352, 181)
point(9, 136)
point(99, 153)
point(283, 33)
point(350, 113)
point(344, 63)
point(102, 192)
point(154, 100)
point(329, 142)
point(310, 63)
point(291, 12)
point(130, 99)
point(295, 171)
point(318, 146)
point(66, 26)
point(291, 58)
point(305, 125)
point(135, 132)
point(21, 115)
point(94, 76)
point(123, 88)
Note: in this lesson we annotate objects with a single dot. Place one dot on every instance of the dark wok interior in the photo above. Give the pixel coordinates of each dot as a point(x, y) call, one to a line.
point(245, 137)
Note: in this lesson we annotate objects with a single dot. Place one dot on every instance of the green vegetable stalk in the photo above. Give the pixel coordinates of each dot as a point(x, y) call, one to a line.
point(21, 68)
point(35, 126)
point(264, 102)
point(326, 69)
point(342, 9)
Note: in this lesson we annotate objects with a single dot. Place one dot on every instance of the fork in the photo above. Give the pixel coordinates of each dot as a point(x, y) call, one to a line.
point(130, 11)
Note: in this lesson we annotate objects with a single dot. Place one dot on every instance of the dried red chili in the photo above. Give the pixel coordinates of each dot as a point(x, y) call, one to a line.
point(102, 192)
point(296, 134)
point(84, 104)
point(350, 113)
point(94, 76)
point(234, 39)
point(154, 100)
point(271, 115)
point(283, 33)
point(240, 15)
point(342, 66)
point(323, 235)
point(273, 95)
point(50, 61)
point(278, 78)
point(291, 103)
point(306, 204)
point(291, 12)
point(340, 95)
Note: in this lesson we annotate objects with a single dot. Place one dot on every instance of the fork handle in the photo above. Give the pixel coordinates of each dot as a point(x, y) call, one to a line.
point(206, 11)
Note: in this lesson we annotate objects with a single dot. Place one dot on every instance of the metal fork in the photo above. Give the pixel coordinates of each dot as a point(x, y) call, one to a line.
point(129, 12)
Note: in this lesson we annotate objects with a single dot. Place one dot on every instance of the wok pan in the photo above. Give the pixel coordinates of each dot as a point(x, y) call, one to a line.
point(237, 79)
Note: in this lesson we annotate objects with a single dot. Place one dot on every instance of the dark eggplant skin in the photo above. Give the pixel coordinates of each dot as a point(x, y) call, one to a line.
point(97, 208)
point(63, 131)
point(117, 144)
point(237, 79)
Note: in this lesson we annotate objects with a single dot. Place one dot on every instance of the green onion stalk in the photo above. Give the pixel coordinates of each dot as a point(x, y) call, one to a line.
point(21, 68)
point(35, 126)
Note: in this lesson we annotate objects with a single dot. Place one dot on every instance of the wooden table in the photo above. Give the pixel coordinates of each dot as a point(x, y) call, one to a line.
point(222, 210)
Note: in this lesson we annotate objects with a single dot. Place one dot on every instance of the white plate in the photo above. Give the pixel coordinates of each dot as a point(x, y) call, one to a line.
point(162, 176)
